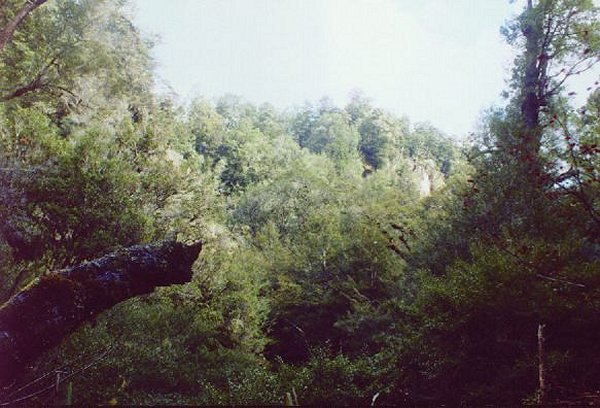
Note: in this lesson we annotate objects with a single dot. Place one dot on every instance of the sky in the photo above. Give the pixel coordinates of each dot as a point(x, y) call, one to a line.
point(441, 61)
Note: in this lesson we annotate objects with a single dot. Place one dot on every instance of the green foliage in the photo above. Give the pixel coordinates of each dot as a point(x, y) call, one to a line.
point(328, 276)
point(328, 379)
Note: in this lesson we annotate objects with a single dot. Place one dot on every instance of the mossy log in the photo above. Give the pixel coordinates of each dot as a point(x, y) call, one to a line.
point(53, 306)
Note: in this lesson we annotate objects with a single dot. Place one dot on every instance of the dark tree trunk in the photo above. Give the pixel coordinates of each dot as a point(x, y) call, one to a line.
point(53, 306)
point(532, 88)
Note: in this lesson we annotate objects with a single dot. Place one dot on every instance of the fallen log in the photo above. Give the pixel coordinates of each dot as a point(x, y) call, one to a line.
point(37, 318)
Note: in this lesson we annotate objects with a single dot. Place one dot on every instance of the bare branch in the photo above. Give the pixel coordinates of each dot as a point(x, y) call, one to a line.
point(575, 69)
point(563, 281)
point(59, 380)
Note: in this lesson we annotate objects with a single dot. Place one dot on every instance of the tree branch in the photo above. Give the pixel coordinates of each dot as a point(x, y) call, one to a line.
point(574, 69)
point(53, 306)
point(10, 28)
point(33, 85)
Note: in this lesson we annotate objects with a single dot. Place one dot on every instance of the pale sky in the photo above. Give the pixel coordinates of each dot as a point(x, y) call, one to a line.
point(441, 61)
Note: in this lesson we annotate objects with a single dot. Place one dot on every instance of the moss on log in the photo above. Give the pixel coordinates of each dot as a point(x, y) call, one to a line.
point(53, 306)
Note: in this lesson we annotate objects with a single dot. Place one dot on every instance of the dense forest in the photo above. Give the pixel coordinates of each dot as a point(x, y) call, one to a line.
point(350, 257)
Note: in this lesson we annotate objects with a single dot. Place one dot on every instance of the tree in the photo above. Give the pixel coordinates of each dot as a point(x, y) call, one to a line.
point(66, 49)
point(13, 23)
point(518, 150)
point(517, 244)
point(376, 139)
point(561, 39)
point(68, 142)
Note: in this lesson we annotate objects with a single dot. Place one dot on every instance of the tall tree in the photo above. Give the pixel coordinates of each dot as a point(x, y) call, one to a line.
point(560, 38)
